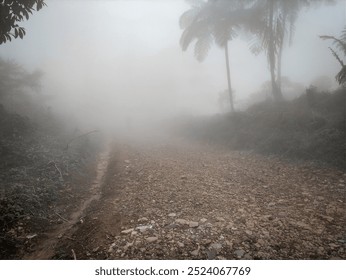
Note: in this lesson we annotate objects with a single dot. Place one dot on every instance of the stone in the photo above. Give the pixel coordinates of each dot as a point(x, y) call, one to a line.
point(193, 224)
point(211, 254)
point(195, 252)
point(247, 256)
point(181, 221)
point(111, 248)
point(216, 246)
point(205, 241)
point(152, 239)
point(127, 231)
point(239, 253)
point(143, 219)
point(180, 244)
point(143, 229)
point(203, 220)
point(172, 215)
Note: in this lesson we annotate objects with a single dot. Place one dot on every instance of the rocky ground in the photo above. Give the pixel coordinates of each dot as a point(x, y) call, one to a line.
point(179, 200)
point(44, 171)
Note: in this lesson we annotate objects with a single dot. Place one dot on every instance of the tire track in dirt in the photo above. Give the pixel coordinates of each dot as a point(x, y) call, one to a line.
point(46, 249)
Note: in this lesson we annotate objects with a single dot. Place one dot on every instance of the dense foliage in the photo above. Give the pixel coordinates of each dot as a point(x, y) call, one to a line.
point(11, 13)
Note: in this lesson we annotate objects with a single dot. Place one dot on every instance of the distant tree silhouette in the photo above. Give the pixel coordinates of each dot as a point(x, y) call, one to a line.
point(340, 44)
point(213, 21)
point(276, 24)
point(11, 13)
point(14, 79)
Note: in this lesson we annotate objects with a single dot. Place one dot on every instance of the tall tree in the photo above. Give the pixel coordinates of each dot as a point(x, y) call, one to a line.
point(11, 13)
point(206, 24)
point(272, 31)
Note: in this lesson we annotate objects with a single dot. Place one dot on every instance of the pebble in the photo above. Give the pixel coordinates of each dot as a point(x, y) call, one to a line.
point(193, 224)
point(172, 215)
point(195, 252)
point(127, 231)
point(143, 229)
point(216, 246)
point(239, 253)
point(151, 239)
point(181, 221)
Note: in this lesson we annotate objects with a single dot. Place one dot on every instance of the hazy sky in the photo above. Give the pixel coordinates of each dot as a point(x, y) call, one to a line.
point(124, 55)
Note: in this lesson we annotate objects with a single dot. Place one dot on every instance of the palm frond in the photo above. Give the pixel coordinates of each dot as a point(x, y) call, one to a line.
point(341, 76)
point(337, 57)
point(223, 33)
point(193, 32)
point(203, 46)
point(340, 44)
point(188, 17)
point(343, 35)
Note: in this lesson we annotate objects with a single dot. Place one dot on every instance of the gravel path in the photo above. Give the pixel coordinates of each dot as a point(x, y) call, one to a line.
point(175, 200)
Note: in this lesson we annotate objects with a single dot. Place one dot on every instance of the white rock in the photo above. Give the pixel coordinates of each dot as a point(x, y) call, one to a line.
point(151, 239)
point(127, 231)
point(143, 229)
point(172, 215)
point(181, 221)
point(111, 248)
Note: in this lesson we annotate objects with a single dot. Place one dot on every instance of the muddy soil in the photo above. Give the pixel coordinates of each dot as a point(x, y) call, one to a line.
point(178, 200)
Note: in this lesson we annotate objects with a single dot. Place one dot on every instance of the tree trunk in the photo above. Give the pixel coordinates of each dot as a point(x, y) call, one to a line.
point(279, 66)
point(229, 78)
point(276, 91)
point(280, 52)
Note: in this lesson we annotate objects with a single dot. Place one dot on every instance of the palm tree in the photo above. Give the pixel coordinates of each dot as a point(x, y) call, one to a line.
point(206, 22)
point(278, 19)
point(340, 44)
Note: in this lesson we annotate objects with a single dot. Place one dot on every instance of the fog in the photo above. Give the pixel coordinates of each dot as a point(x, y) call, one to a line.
point(118, 64)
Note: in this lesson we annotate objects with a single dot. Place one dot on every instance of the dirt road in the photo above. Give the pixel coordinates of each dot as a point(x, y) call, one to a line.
point(177, 200)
